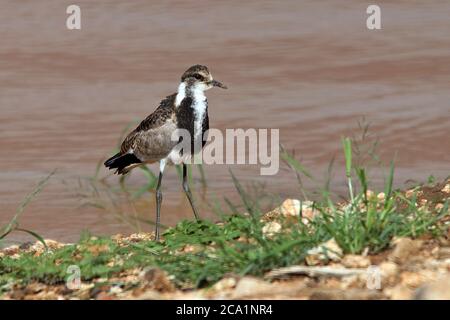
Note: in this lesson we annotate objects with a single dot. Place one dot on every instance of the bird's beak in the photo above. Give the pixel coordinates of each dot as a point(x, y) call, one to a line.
point(216, 83)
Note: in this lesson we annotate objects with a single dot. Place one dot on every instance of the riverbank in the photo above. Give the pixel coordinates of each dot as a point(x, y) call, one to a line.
point(379, 246)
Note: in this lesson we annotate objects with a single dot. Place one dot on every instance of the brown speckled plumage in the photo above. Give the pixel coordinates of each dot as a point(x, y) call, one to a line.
point(151, 130)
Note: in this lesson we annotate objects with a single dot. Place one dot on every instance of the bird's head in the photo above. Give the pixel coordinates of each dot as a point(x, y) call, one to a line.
point(198, 76)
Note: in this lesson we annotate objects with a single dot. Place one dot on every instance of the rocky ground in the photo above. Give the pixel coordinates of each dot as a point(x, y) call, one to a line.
point(408, 269)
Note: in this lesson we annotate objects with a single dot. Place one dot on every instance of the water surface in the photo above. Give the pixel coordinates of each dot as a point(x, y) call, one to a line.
point(309, 68)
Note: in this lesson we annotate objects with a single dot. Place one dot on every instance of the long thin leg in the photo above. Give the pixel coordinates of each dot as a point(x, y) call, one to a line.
point(162, 164)
point(188, 192)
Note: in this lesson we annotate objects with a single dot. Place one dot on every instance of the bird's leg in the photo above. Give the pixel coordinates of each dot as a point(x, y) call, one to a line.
point(159, 199)
point(188, 192)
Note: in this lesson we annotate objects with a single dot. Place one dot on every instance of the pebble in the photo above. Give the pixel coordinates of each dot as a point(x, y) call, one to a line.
point(115, 290)
point(224, 284)
point(370, 194)
point(388, 269)
point(271, 228)
point(355, 261)
point(290, 207)
point(12, 250)
point(410, 193)
point(329, 250)
point(446, 189)
point(404, 249)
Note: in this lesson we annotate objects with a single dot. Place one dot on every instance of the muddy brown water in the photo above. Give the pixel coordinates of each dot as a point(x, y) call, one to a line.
point(309, 68)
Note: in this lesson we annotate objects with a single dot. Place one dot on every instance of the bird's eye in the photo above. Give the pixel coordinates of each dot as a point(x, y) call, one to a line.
point(198, 76)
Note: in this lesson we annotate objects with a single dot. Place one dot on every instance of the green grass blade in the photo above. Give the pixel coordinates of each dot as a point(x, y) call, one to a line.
point(389, 181)
point(294, 163)
point(25, 202)
point(34, 234)
point(347, 144)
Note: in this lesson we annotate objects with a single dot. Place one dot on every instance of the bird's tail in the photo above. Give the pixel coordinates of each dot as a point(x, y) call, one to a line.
point(122, 162)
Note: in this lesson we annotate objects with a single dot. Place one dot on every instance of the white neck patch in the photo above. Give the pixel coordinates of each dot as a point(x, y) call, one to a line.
point(199, 104)
point(181, 94)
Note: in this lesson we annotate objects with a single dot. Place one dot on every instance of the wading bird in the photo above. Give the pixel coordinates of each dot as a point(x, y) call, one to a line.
point(153, 141)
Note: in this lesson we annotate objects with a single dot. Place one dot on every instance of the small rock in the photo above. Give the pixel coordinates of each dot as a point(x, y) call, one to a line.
point(115, 290)
point(271, 228)
point(410, 193)
point(329, 250)
point(141, 236)
point(370, 194)
point(12, 250)
point(290, 207)
point(381, 196)
point(404, 248)
point(287, 208)
point(446, 189)
point(225, 284)
point(189, 248)
point(388, 270)
point(355, 261)
point(116, 261)
point(97, 249)
point(117, 237)
point(435, 252)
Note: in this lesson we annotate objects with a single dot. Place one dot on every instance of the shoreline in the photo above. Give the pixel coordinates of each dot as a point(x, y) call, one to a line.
point(409, 267)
